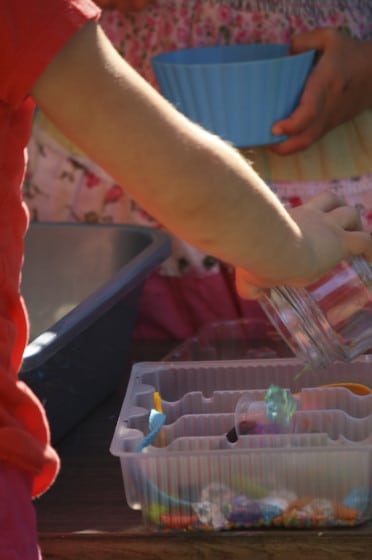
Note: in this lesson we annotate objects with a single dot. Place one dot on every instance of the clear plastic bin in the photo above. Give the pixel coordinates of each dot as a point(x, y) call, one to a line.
point(238, 339)
point(192, 477)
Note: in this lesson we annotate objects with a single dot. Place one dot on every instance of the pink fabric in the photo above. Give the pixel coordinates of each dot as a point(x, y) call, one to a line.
point(174, 307)
point(18, 534)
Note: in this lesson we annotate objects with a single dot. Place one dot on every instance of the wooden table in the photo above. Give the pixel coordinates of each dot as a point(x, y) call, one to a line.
point(85, 516)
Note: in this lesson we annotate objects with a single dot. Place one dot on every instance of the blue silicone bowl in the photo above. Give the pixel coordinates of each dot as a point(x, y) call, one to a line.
point(236, 91)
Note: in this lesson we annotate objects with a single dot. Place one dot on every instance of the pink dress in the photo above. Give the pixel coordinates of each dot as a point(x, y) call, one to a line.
point(190, 289)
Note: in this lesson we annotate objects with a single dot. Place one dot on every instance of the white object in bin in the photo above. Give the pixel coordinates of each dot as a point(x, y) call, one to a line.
point(328, 457)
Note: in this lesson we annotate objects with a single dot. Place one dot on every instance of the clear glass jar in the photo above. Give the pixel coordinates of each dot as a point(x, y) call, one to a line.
point(329, 320)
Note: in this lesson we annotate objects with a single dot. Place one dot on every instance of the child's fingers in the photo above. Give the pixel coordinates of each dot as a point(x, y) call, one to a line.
point(298, 142)
point(315, 39)
point(326, 201)
point(339, 212)
point(359, 243)
point(347, 218)
point(310, 106)
point(303, 128)
point(245, 288)
point(307, 123)
point(302, 117)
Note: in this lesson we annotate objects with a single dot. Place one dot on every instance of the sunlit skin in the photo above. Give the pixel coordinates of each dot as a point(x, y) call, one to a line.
point(218, 203)
point(338, 88)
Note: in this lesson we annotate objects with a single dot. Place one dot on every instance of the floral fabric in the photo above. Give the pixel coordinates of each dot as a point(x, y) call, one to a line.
point(174, 24)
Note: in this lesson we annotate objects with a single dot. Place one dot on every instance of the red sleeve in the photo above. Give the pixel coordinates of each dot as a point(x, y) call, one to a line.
point(31, 34)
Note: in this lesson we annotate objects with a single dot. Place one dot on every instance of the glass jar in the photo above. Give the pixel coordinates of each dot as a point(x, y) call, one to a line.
point(329, 320)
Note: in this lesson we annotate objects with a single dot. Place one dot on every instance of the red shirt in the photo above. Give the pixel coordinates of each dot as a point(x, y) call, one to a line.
point(31, 34)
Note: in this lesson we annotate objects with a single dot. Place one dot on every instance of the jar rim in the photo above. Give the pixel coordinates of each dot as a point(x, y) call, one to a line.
point(303, 326)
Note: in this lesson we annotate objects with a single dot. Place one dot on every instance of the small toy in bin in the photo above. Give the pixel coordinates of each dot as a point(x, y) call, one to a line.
point(272, 415)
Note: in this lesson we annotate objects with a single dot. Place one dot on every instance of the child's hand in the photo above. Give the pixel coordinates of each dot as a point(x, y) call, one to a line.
point(331, 231)
point(123, 5)
point(338, 88)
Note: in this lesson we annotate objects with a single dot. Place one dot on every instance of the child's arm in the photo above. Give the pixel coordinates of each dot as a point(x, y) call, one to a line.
point(191, 181)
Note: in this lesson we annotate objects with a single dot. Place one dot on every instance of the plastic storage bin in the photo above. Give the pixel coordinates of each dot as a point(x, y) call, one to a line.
point(192, 477)
point(82, 285)
point(238, 339)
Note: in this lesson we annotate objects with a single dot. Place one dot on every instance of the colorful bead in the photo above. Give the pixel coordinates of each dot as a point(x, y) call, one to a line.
point(280, 405)
point(178, 520)
point(245, 511)
point(210, 514)
point(358, 499)
point(217, 494)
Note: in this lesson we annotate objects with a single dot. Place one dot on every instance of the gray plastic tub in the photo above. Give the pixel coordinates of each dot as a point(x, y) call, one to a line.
point(82, 285)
